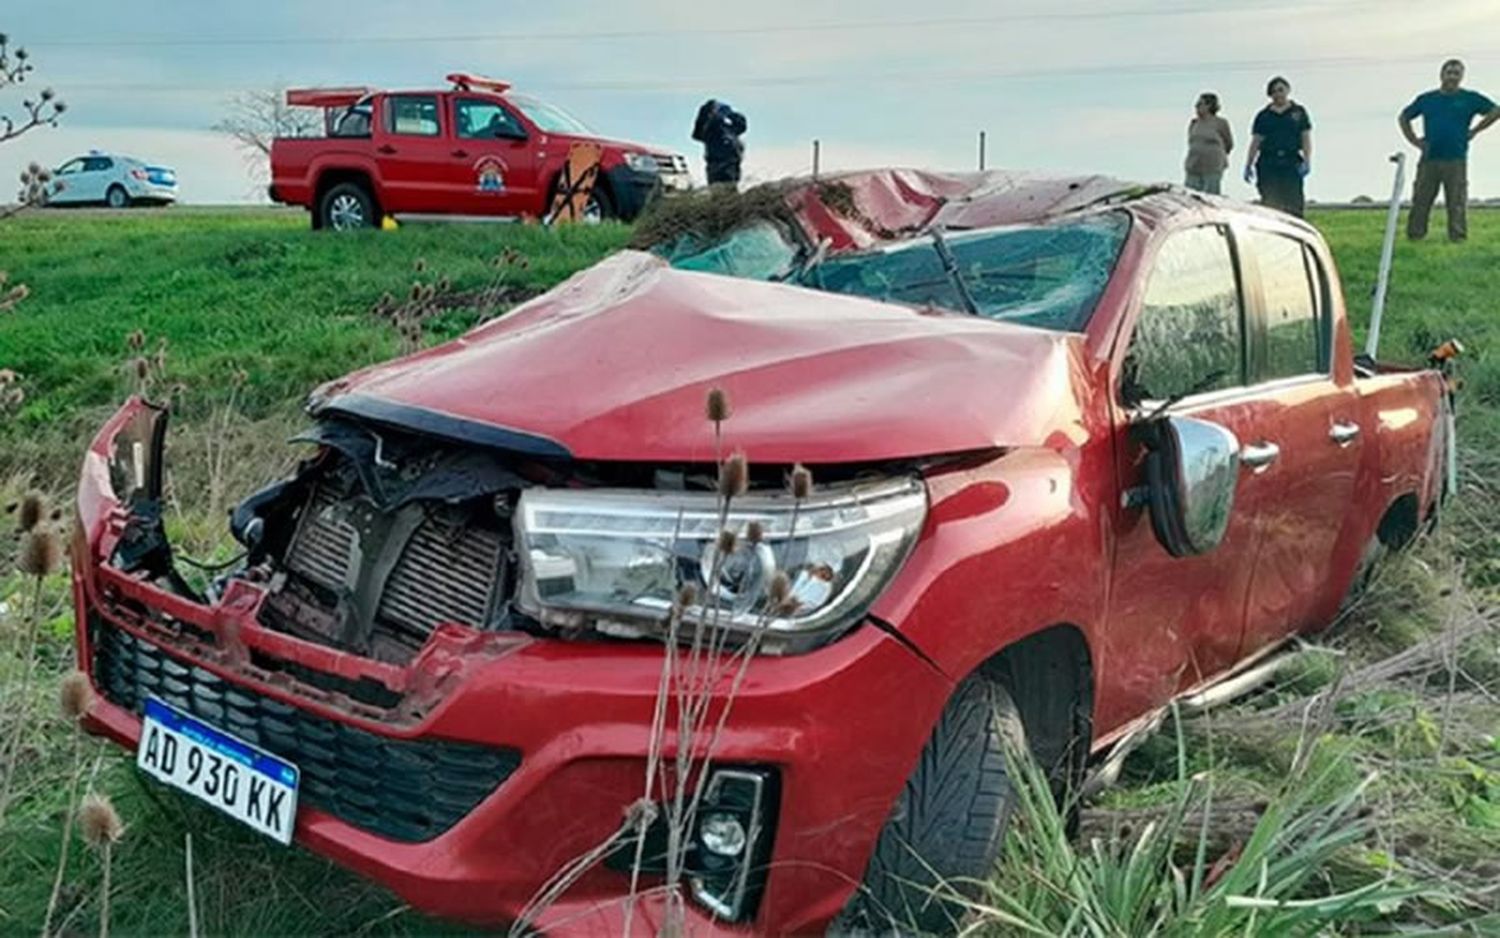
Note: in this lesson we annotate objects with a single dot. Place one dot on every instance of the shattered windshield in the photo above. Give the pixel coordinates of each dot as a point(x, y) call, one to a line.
point(1044, 275)
point(1049, 275)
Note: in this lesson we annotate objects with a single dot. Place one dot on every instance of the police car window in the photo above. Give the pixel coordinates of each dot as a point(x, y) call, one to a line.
point(1293, 334)
point(412, 114)
point(94, 164)
point(70, 167)
point(484, 120)
point(1189, 335)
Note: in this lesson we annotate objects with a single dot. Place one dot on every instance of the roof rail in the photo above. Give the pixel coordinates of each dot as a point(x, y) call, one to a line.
point(462, 81)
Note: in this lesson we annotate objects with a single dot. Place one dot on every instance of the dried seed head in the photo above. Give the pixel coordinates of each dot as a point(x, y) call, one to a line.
point(779, 590)
point(41, 553)
point(59, 106)
point(33, 510)
point(239, 377)
point(734, 476)
point(755, 532)
point(48, 94)
point(75, 696)
point(717, 407)
point(141, 366)
point(14, 397)
point(420, 265)
point(136, 341)
point(444, 284)
point(727, 542)
point(801, 482)
point(7, 376)
point(416, 292)
point(98, 821)
point(687, 595)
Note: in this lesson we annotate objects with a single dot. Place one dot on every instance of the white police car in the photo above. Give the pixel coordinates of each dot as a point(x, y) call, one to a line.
point(113, 180)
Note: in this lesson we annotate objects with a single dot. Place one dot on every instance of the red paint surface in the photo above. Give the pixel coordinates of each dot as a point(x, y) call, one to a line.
point(438, 174)
point(1034, 534)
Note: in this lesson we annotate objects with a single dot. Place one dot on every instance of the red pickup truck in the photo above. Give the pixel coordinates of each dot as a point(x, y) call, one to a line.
point(1077, 448)
point(477, 149)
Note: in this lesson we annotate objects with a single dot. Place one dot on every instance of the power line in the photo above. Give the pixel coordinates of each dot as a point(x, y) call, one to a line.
point(681, 31)
point(898, 76)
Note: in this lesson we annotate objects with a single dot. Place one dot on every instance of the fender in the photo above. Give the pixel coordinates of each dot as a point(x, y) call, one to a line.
point(1010, 547)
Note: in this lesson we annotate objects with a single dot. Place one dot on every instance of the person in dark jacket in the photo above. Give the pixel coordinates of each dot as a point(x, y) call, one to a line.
point(718, 128)
point(1280, 154)
point(1448, 125)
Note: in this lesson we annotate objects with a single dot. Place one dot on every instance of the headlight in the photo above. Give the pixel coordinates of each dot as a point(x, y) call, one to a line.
point(641, 162)
point(617, 559)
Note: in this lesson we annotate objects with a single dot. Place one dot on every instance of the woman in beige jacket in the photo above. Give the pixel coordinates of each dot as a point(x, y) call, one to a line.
point(1209, 144)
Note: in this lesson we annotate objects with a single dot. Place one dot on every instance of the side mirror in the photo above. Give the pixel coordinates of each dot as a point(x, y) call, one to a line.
point(1192, 470)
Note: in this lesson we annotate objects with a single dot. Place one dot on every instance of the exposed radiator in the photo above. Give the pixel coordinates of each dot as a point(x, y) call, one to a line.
point(445, 570)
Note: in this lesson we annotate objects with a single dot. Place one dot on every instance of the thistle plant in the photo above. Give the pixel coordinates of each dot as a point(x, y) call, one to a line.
point(102, 828)
point(75, 696)
point(40, 556)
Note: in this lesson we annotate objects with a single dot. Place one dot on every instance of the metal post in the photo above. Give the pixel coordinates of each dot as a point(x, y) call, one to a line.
point(1377, 308)
point(981, 151)
point(815, 158)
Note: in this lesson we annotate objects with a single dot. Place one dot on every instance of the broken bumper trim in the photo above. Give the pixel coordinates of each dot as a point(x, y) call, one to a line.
point(407, 790)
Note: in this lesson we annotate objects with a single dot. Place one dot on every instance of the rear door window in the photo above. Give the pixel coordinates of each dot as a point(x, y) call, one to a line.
point(1189, 337)
point(1291, 307)
point(414, 115)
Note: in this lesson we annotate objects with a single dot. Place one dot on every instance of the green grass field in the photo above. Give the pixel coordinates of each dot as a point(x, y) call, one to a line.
point(257, 291)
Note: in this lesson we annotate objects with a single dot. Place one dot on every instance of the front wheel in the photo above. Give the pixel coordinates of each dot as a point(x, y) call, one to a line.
point(346, 207)
point(948, 824)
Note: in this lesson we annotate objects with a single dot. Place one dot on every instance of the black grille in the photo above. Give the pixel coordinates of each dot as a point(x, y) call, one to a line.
point(408, 790)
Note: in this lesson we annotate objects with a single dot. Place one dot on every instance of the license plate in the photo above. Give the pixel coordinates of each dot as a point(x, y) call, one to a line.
point(244, 781)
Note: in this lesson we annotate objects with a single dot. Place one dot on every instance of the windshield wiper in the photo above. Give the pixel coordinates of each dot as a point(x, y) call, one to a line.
point(950, 267)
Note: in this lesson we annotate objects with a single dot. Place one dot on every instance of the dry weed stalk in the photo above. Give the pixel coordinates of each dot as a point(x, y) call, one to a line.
point(75, 696)
point(102, 828)
point(427, 299)
point(40, 556)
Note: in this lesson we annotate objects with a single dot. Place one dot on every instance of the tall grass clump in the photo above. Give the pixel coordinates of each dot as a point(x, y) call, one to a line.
point(1168, 878)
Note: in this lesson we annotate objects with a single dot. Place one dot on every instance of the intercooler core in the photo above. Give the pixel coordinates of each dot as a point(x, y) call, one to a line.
point(378, 582)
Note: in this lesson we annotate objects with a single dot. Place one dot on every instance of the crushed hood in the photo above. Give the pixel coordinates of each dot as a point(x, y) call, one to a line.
point(615, 364)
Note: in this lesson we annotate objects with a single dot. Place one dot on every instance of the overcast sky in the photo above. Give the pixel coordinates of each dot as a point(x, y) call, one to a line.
point(1096, 85)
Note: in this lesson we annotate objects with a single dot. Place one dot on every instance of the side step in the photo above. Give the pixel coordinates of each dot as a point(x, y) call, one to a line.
point(1232, 686)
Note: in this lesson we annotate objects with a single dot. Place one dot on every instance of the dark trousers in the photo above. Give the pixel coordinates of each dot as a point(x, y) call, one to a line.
point(723, 171)
point(1453, 176)
point(1281, 188)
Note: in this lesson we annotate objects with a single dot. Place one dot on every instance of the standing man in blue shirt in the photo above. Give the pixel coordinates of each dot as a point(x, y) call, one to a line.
point(1447, 114)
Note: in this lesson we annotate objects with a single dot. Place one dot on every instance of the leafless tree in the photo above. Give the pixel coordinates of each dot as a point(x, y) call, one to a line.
point(255, 118)
point(43, 109)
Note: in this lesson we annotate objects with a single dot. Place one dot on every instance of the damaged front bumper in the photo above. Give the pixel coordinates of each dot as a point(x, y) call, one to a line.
point(465, 777)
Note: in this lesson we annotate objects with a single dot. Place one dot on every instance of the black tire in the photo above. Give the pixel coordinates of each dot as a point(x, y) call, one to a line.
point(949, 821)
point(117, 197)
point(347, 206)
point(600, 198)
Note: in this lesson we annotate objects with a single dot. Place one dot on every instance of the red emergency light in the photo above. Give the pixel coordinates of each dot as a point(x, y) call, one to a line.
point(463, 81)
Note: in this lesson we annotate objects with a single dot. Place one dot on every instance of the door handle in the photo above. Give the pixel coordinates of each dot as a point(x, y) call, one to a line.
point(1343, 433)
point(1259, 455)
point(460, 153)
point(386, 149)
